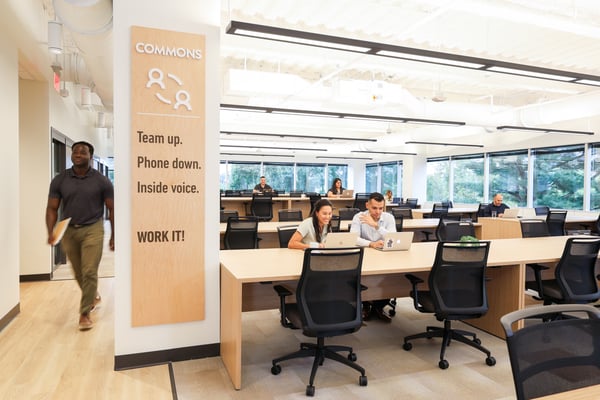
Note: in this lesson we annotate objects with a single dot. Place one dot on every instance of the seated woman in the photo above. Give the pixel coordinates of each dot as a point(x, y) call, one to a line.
point(313, 229)
point(389, 197)
point(336, 188)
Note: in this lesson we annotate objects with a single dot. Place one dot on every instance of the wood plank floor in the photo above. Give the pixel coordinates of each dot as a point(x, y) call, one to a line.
point(44, 356)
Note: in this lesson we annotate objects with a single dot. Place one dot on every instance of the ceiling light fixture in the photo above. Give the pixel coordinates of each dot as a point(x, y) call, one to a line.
point(383, 152)
point(409, 53)
point(330, 114)
point(272, 147)
point(541, 130)
point(346, 158)
point(257, 155)
point(444, 144)
point(281, 136)
point(55, 42)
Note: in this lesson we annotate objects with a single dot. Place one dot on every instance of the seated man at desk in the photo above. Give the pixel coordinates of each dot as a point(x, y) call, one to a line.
point(496, 207)
point(371, 225)
point(262, 187)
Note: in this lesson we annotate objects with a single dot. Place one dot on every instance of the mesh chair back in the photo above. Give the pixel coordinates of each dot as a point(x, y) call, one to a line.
point(285, 233)
point(575, 272)
point(241, 233)
point(314, 198)
point(412, 202)
point(555, 356)
point(329, 291)
point(556, 222)
point(451, 231)
point(226, 214)
point(541, 210)
point(534, 228)
point(289, 214)
point(347, 213)
point(360, 201)
point(399, 220)
point(262, 207)
point(481, 211)
point(334, 223)
point(457, 280)
point(404, 211)
point(439, 210)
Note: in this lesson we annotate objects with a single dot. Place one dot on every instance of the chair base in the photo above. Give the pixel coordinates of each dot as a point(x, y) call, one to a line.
point(448, 334)
point(320, 352)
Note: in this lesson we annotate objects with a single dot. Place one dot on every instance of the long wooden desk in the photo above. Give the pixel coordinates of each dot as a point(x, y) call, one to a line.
point(242, 272)
point(267, 231)
point(467, 211)
point(585, 393)
point(503, 228)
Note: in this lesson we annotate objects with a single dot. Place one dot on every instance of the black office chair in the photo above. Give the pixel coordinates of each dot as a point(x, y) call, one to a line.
point(314, 198)
point(541, 210)
point(404, 211)
point(346, 214)
point(442, 217)
point(360, 201)
point(399, 220)
point(556, 222)
point(290, 214)
point(574, 276)
point(556, 356)
point(328, 303)
point(241, 233)
point(226, 214)
point(533, 228)
point(412, 202)
point(262, 206)
point(481, 211)
point(334, 223)
point(285, 233)
point(438, 210)
point(449, 230)
point(456, 291)
point(232, 193)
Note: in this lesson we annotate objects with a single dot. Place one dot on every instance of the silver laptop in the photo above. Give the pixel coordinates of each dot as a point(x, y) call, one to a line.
point(347, 193)
point(340, 239)
point(511, 213)
point(395, 241)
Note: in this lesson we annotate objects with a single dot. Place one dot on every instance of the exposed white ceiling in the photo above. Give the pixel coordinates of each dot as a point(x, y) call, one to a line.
point(556, 34)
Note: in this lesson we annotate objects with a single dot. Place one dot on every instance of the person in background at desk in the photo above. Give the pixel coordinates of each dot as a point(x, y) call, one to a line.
point(389, 197)
point(336, 188)
point(371, 225)
point(313, 230)
point(262, 187)
point(496, 207)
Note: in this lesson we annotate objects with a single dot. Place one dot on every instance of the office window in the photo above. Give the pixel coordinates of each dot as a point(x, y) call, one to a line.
point(223, 175)
point(371, 178)
point(311, 178)
point(438, 179)
point(468, 178)
point(558, 177)
point(338, 171)
point(243, 175)
point(508, 175)
point(382, 177)
point(595, 176)
point(280, 176)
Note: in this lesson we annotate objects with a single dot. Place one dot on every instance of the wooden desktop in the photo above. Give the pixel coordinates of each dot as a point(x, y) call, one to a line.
point(247, 277)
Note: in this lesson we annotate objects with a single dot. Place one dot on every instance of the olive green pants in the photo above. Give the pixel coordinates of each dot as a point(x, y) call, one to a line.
point(83, 247)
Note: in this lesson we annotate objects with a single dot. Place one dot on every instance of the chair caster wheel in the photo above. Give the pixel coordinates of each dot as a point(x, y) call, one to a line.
point(362, 381)
point(352, 357)
point(407, 346)
point(310, 390)
point(276, 369)
point(491, 361)
point(443, 364)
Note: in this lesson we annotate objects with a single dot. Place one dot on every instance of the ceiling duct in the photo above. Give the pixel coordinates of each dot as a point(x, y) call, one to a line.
point(90, 25)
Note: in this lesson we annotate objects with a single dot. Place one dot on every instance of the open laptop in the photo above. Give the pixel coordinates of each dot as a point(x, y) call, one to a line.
point(395, 241)
point(347, 193)
point(341, 239)
point(511, 213)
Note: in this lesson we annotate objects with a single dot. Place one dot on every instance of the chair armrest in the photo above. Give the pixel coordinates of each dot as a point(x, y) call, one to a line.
point(537, 271)
point(283, 292)
point(415, 280)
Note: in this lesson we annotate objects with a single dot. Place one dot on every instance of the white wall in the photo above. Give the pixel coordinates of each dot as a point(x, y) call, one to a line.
point(9, 176)
point(183, 16)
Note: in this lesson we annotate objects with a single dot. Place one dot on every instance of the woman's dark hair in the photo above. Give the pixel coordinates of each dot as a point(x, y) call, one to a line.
point(315, 220)
point(333, 189)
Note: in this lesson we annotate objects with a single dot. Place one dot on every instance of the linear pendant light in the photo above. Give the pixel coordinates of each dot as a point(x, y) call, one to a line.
point(541, 130)
point(407, 53)
point(444, 144)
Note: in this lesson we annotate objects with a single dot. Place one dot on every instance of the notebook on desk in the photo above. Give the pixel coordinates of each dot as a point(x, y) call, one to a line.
point(340, 239)
point(347, 193)
point(511, 213)
point(397, 241)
